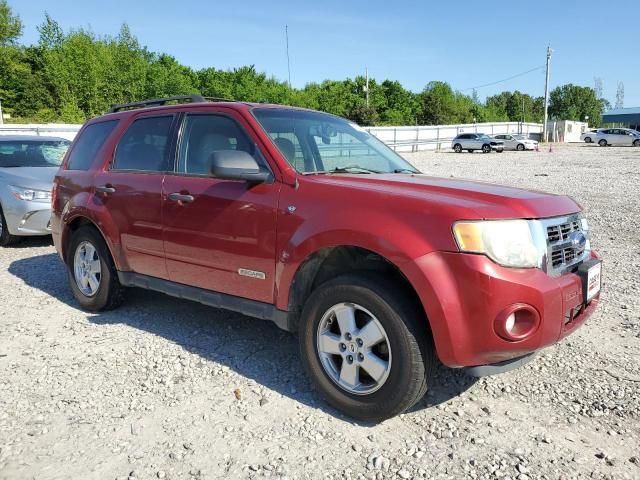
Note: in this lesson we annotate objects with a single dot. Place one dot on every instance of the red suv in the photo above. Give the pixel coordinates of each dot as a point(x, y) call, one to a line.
point(305, 219)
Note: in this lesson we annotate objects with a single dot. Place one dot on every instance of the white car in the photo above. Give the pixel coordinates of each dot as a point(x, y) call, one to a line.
point(590, 135)
point(516, 142)
point(476, 141)
point(617, 137)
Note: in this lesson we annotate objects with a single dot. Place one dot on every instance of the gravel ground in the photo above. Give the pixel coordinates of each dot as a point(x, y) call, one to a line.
point(163, 388)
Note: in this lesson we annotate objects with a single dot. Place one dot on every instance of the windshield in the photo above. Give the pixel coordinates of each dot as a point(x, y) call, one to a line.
point(32, 153)
point(315, 142)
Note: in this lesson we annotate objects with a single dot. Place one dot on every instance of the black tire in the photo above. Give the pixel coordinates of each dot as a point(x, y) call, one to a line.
point(520, 147)
point(486, 148)
point(470, 150)
point(636, 143)
point(587, 140)
point(110, 294)
point(411, 346)
point(6, 238)
point(457, 148)
point(602, 143)
point(500, 150)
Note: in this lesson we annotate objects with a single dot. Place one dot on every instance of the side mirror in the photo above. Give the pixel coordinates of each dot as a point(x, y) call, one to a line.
point(236, 165)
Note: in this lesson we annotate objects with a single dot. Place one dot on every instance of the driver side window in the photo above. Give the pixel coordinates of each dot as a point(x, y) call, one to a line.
point(204, 134)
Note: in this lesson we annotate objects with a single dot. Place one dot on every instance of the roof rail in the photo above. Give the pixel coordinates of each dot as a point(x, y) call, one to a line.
point(160, 101)
point(219, 99)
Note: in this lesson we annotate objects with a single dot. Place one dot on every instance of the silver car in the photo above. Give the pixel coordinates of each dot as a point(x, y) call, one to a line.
point(589, 135)
point(516, 142)
point(617, 137)
point(27, 167)
point(476, 141)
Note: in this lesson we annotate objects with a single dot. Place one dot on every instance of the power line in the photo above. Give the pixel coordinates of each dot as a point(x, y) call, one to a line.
point(504, 79)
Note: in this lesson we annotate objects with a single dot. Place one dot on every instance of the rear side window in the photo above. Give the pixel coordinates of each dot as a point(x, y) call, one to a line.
point(144, 145)
point(88, 145)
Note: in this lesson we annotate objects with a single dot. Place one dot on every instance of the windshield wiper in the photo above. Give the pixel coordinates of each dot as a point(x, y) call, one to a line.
point(405, 170)
point(345, 169)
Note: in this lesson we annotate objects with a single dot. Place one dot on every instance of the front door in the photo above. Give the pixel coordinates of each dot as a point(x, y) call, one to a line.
point(131, 190)
point(219, 234)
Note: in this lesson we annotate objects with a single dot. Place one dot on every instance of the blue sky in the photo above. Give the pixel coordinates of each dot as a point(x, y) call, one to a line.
point(414, 42)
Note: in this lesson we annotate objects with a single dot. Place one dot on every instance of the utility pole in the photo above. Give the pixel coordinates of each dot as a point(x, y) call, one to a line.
point(546, 96)
point(366, 86)
point(1, 116)
point(286, 34)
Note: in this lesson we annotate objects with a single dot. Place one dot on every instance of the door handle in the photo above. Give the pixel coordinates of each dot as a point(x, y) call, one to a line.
point(179, 197)
point(105, 189)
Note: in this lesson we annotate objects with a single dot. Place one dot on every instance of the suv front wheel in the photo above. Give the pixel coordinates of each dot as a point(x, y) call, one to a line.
point(92, 274)
point(365, 345)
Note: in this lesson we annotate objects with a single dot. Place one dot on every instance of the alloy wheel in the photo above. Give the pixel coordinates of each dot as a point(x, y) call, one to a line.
point(87, 270)
point(354, 349)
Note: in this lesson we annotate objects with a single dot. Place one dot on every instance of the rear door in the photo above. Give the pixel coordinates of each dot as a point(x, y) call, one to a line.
point(131, 190)
point(219, 234)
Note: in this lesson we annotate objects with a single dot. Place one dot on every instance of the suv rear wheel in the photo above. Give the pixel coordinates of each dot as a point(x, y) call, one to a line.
point(364, 343)
point(92, 274)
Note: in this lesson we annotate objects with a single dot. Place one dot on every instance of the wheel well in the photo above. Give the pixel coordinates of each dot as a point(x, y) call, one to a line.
point(75, 224)
point(328, 263)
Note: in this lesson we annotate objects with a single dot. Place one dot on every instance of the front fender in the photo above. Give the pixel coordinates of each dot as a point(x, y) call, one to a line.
point(384, 235)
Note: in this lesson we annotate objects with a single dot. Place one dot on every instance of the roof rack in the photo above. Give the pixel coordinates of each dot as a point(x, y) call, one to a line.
point(163, 101)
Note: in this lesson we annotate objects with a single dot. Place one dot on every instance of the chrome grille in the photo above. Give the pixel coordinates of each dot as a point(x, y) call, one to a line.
point(563, 254)
point(556, 233)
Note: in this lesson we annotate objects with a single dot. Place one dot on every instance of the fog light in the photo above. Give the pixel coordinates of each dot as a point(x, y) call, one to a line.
point(510, 323)
point(517, 322)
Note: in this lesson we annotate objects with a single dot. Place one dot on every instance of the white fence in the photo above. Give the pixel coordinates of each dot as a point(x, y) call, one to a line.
point(64, 130)
point(402, 139)
point(436, 137)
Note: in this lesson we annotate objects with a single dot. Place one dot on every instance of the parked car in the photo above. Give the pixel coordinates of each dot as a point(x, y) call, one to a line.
point(617, 137)
point(476, 141)
point(516, 142)
point(589, 135)
point(27, 167)
point(305, 219)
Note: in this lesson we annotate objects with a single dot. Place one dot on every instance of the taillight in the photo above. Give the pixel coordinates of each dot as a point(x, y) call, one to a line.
point(54, 194)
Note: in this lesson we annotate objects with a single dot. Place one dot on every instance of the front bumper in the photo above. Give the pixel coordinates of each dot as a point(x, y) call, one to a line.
point(463, 294)
point(497, 148)
point(24, 218)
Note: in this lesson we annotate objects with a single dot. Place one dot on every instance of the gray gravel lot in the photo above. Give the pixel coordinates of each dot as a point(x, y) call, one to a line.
point(164, 388)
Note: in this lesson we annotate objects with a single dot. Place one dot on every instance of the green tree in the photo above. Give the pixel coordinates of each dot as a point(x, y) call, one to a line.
point(442, 106)
point(10, 25)
point(573, 102)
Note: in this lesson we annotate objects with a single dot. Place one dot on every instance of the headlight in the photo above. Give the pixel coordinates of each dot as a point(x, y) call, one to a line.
point(507, 242)
point(31, 195)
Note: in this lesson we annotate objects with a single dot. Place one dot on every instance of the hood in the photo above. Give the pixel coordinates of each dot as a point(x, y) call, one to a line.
point(39, 178)
point(470, 200)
